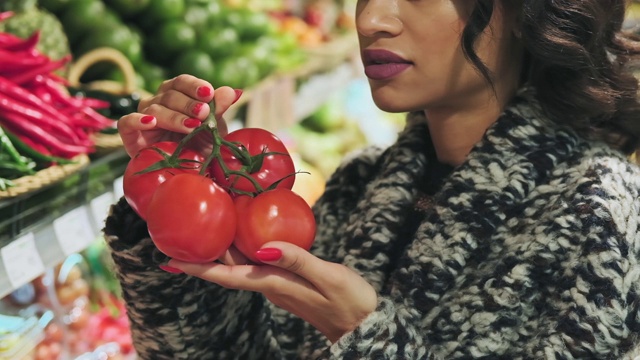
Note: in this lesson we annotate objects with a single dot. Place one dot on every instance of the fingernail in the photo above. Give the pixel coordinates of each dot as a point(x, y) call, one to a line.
point(269, 254)
point(204, 91)
point(196, 108)
point(171, 269)
point(192, 123)
point(238, 94)
point(147, 119)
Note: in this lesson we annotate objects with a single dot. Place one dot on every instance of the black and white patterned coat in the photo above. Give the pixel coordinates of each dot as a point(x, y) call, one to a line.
point(529, 251)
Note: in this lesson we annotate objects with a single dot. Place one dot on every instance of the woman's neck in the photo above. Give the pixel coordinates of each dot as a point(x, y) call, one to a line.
point(455, 131)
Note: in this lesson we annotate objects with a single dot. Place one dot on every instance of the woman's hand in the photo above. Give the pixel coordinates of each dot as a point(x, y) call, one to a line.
point(179, 106)
point(331, 297)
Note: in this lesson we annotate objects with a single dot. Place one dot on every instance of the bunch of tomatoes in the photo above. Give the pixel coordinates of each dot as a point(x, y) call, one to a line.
point(197, 206)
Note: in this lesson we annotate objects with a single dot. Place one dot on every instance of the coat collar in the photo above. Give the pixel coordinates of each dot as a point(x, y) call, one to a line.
point(518, 152)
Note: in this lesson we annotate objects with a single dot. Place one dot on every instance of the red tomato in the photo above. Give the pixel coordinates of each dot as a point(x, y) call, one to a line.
point(274, 215)
point(138, 188)
point(191, 218)
point(274, 167)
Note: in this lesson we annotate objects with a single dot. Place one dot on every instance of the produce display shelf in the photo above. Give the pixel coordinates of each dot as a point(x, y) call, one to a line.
point(41, 228)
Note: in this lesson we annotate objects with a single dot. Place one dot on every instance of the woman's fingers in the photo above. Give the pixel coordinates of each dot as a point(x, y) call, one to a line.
point(180, 106)
point(268, 280)
point(234, 257)
point(189, 85)
point(299, 261)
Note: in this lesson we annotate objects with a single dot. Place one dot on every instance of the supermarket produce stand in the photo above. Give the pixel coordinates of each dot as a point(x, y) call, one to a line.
point(40, 228)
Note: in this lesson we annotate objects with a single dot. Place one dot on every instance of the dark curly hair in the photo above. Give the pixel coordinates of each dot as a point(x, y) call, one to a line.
point(579, 59)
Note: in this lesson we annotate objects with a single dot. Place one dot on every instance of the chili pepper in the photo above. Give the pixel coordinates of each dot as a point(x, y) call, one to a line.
point(5, 184)
point(17, 123)
point(81, 121)
point(25, 44)
point(94, 103)
point(59, 79)
point(7, 68)
point(9, 149)
point(119, 104)
point(25, 57)
point(38, 118)
point(12, 170)
point(15, 91)
point(53, 90)
point(101, 121)
point(47, 91)
point(23, 77)
point(34, 150)
point(8, 39)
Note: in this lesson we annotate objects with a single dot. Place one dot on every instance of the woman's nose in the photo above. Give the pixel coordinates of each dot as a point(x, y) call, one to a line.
point(378, 18)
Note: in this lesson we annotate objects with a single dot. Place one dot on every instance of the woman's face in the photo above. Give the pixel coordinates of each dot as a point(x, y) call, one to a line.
point(413, 58)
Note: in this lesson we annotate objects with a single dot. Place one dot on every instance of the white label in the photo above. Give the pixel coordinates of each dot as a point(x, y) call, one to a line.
point(100, 208)
point(74, 231)
point(118, 191)
point(22, 261)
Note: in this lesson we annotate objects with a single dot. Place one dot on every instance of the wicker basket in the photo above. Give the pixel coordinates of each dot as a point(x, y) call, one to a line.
point(44, 177)
point(127, 87)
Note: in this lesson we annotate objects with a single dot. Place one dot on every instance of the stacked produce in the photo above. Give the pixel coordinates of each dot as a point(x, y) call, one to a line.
point(40, 123)
point(75, 315)
point(211, 39)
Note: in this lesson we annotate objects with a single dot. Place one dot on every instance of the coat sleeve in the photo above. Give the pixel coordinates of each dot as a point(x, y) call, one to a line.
point(573, 292)
point(174, 316)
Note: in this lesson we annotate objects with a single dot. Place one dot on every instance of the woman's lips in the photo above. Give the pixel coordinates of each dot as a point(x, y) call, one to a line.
point(383, 64)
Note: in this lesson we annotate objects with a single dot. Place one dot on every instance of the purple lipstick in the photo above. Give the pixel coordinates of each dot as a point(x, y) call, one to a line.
point(383, 64)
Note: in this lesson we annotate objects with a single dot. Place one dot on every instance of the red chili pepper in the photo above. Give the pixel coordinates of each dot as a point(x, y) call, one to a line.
point(12, 63)
point(94, 103)
point(24, 77)
point(8, 39)
point(55, 126)
point(100, 120)
point(59, 79)
point(27, 44)
point(81, 121)
point(70, 105)
point(54, 92)
point(29, 98)
point(26, 55)
point(17, 123)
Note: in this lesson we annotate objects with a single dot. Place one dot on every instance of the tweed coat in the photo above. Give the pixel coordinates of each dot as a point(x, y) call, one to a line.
point(527, 250)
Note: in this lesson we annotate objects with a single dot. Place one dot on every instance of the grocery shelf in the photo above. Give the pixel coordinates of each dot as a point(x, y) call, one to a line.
point(39, 229)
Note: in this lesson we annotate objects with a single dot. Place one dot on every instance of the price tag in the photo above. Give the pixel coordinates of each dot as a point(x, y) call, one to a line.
point(118, 191)
point(74, 231)
point(100, 208)
point(22, 261)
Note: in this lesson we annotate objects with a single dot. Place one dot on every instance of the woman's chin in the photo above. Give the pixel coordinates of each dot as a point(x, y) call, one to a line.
point(393, 106)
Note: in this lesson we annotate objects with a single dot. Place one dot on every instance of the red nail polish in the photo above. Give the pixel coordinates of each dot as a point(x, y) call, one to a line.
point(196, 108)
point(171, 269)
point(269, 254)
point(204, 91)
point(147, 119)
point(192, 123)
point(238, 94)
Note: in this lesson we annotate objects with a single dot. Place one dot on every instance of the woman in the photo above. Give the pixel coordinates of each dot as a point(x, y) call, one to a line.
point(503, 223)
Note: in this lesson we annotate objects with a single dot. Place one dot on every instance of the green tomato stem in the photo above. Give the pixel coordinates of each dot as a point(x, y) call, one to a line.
point(210, 123)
